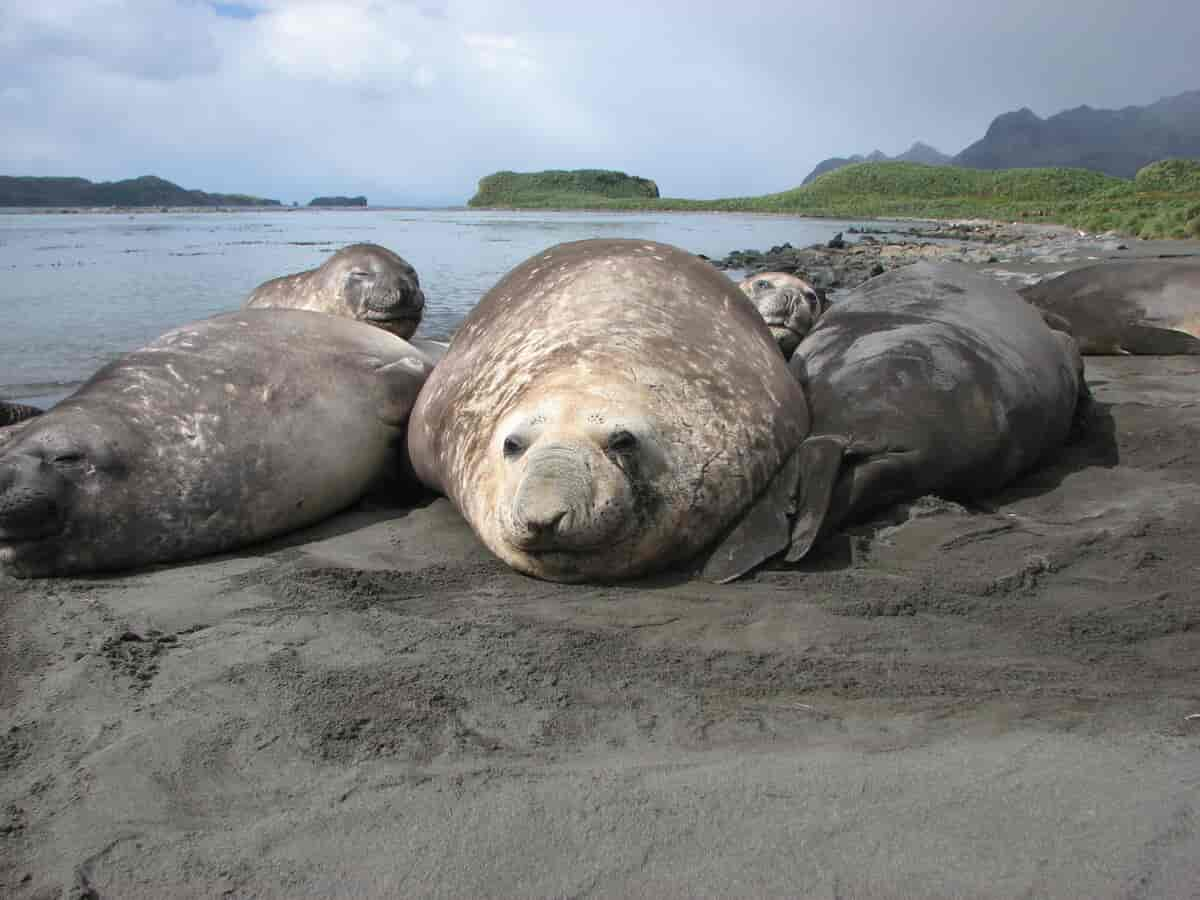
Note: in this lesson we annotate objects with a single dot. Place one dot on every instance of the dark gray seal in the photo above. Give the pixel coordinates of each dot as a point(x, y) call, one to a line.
point(612, 408)
point(362, 281)
point(789, 305)
point(1142, 306)
point(217, 434)
point(12, 413)
point(927, 379)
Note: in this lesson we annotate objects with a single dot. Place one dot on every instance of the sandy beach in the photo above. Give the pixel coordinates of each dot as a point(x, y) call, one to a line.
point(1000, 701)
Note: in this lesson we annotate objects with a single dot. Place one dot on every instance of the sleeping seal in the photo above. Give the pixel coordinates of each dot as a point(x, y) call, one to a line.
point(927, 379)
point(611, 408)
point(219, 433)
point(789, 305)
point(1142, 306)
point(362, 281)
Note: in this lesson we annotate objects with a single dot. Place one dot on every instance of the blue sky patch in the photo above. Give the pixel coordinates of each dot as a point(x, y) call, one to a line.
point(234, 10)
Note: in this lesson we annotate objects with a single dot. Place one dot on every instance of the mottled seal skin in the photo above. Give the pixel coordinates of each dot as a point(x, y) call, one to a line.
point(927, 379)
point(612, 408)
point(788, 304)
point(219, 433)
point(362, 281)
point(1143, 306)
point(12, 413)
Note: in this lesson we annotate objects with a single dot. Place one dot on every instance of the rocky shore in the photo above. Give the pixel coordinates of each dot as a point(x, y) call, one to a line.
point(1017, 253)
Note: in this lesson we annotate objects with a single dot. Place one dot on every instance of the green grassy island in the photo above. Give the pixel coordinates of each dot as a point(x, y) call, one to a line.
point(1163, 200)
point(338, 201)
point(557, 189)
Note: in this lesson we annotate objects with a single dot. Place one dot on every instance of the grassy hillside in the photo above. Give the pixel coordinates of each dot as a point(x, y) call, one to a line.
point(557, 189)
point(1162, 201)
point(148, 190)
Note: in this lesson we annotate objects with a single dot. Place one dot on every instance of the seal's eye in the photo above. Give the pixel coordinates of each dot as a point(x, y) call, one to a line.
point(513, 447)
point(358, 273)
point(67, 458)
point(622, 442)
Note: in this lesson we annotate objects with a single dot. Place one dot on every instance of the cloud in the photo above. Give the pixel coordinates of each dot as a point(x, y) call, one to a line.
point(151, 39)
point(414, 102)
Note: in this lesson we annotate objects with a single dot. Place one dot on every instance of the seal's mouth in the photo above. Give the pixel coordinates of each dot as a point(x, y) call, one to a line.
point(552, 564)
point(787, 338)
point(393, 315)
point(401, 302)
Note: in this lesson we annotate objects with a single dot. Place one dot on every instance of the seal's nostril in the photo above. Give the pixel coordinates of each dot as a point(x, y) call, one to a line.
point(546, 522)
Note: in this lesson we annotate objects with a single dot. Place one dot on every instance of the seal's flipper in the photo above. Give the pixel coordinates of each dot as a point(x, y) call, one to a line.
point(760, 534)
point(433, 350)
point(820, 464)
point(399, 383)
point(1150, 340)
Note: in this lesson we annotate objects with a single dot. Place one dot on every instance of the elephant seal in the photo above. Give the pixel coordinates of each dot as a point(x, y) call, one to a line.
point(927, 379)
point(12, 413)
point(217, 434)
point(611, 408)
point(789, 305)
point(1141, 306)
point(362, 281)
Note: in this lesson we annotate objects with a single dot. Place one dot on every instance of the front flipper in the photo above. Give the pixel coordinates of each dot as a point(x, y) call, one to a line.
point(399, 384)
point(761, 533)
point(1152, 340)
point(820, 464)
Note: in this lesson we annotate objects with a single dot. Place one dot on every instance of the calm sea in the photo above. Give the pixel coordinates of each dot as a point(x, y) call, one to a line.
point(78, 290)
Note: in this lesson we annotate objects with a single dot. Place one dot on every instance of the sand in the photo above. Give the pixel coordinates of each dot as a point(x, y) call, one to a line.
point(946, 702)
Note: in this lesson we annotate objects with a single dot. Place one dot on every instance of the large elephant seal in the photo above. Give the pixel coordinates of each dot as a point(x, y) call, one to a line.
point(1142, 306)
point(217, 434)
point(789, 305)
point(610, 408)
point(12, 413)
point(927, 379)
point(362, 281)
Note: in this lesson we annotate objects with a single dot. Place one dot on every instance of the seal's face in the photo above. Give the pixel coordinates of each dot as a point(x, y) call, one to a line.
point(576, 485)
point(54, 483)
point(380, 288)
point(789, 305)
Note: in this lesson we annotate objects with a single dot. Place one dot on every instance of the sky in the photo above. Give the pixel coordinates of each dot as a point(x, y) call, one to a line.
point(412, 103)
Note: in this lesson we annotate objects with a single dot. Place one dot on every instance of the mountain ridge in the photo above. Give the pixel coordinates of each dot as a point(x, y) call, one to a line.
point(1117, 142)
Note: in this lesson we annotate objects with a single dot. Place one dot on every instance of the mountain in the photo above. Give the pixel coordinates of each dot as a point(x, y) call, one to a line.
point(149, 190)
point(924, 154)
point(1113, 141)
point(918, 152)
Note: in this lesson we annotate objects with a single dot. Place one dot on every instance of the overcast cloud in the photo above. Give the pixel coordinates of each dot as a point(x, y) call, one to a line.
point(414, 102)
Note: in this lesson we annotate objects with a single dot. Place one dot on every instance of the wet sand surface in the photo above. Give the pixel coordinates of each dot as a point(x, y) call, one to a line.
point(994, 702)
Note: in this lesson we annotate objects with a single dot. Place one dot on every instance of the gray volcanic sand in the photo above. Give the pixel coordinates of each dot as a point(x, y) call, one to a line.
point(943, 703)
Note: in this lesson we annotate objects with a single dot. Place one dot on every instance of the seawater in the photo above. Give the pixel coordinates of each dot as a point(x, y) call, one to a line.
point(80, 289)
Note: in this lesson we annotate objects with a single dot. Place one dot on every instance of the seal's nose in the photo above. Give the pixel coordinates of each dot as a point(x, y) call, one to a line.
point(28, 508)
point(543, 521)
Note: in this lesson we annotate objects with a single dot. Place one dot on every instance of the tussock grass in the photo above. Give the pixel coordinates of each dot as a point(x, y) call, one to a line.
point(1163, 201)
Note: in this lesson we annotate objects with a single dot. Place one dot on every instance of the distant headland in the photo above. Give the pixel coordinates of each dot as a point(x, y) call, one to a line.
point(1161, 201)
point(338, 201)
point(148, 190)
